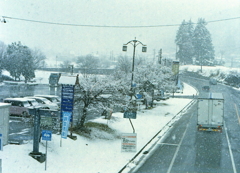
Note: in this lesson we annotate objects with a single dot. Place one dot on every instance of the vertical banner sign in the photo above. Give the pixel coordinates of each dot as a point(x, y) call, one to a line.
point(67, 100)
point(129, 142)
point(1, 142)
point(65, 123)
point(175, 67)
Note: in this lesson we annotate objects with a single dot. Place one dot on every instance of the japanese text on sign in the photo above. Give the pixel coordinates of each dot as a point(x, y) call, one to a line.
point(129, 142)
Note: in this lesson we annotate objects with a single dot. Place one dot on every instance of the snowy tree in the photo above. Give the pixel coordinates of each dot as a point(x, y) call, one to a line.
point(65, 65)
point(38, 58)
point(18, 61)
point(124, 64)
point(184, 42)
point(2, 50)
point(91, 95)
point(87, 63)
point(157, 74)
point(204, 50)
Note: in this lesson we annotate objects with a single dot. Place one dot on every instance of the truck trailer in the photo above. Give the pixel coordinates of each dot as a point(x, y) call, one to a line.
point(210, 112)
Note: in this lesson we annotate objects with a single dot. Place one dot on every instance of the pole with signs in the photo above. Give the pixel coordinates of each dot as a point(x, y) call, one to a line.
point(130, 115)
point(65, 124)
point(45, 120)
point(67, 103)
point(47, 136)
point(35, 153)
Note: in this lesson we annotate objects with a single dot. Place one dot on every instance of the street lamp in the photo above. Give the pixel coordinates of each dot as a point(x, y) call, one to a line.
point(135, 43)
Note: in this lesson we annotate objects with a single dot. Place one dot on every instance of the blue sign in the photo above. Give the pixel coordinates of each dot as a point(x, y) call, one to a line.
point(139, 96)
point(1, 143)
point(47, 135)
point(128, 114)
point(65, 124)
point(67, 100)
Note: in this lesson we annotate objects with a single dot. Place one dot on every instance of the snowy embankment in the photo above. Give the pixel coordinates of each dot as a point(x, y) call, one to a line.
point(95, 155)
point(225, 75)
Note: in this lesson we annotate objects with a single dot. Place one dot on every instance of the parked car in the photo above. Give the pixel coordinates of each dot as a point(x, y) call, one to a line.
point(52, 98)
point(19, 106)
point(34, 103)
point(45, 102)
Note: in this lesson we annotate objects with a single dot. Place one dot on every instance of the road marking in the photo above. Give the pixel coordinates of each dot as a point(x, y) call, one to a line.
point(168, 144)
point(176, 152)
point(230, 150)
point(237, 114)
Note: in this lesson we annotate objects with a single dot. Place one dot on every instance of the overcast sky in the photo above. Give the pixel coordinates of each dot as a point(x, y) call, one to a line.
point(58, 39)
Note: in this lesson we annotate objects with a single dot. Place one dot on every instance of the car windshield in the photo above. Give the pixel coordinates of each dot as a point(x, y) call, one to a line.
point(33, 102)
point(54, 100)
point(46, 101)
point(26, 104)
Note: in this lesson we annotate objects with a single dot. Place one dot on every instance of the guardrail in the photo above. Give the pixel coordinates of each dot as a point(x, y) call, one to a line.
point(168, 125)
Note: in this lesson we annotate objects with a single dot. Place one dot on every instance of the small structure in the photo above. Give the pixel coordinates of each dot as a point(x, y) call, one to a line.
point(4, 121)
point(54, 78)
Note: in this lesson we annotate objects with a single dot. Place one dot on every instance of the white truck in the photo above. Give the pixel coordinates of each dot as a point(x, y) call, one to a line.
point(210, 112)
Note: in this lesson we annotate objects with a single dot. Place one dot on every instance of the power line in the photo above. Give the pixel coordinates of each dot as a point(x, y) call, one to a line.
point(109, 26)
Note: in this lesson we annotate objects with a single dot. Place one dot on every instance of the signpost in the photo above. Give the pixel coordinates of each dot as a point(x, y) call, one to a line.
point(129, 142)
point(41, 116)
point(67, 104)
point(47, 136)
point(65, 124)
point(130, 114)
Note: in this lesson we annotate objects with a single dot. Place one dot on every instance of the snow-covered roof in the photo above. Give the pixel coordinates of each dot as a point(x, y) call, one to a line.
point(67, 80)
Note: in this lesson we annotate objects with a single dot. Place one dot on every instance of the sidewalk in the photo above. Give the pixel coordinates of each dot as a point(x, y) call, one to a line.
point(96, 155)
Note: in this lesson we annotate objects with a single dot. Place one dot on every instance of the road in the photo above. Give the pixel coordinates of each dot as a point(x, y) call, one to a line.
point(187, 150)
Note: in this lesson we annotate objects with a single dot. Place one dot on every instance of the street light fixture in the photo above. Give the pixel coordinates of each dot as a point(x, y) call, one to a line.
point(135, 43)
point(144, 49)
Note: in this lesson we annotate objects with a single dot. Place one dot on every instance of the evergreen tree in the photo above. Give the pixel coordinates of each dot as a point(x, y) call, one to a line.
point(19, 61)
point(204, 50)
point(184, 42)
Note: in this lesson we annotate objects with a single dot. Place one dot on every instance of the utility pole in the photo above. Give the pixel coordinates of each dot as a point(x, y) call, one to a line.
point(154, 55)
point(160, 57)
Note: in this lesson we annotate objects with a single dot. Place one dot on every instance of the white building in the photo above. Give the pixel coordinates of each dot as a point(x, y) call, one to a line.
point(4, 122)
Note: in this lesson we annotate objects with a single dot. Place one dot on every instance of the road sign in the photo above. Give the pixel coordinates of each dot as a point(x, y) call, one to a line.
point(129, 142)
point(139, 96)
point(129, 114)
point(1, 142)
point(65, 124)
point(47, 135)
point(67, 99)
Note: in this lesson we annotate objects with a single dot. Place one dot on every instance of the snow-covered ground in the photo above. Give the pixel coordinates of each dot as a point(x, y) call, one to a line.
point(95, 155)
point(99, 155)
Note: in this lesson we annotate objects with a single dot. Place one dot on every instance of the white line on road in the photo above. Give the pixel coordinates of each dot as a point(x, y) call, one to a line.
point(168, 144)
point(230, 150)
point(176, 152)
